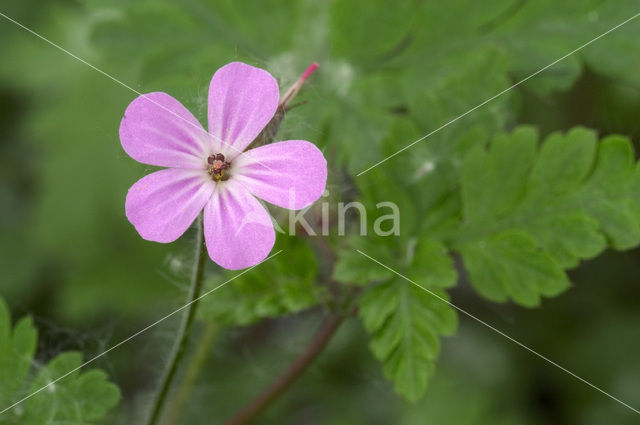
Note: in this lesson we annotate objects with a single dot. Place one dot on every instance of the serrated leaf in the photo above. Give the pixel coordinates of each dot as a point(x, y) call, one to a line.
point(480, 176)
point(555, 37)
point(426, 260)
point(17, 348)
point(530, 213)
point(562, 163)
point(431, 265)
point(569, 237)
point(405, 324)
point(81, 398)
point(511, 264)
point(351, 267)
point(610, 192)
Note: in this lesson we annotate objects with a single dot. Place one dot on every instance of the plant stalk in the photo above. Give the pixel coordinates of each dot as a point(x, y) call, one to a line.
point(183, 392)
point(182, 337)
point(184, 332)
point(289, 376)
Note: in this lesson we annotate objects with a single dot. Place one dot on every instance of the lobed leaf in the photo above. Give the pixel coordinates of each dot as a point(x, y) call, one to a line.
point(405, 324)
point(81, 398)
point(404, 321)
point(530, 212)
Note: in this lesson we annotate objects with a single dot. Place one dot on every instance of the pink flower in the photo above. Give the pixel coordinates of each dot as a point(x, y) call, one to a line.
point(210, 170)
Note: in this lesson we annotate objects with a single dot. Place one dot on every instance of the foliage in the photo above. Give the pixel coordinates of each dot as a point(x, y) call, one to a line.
point(481, 198)
point(530, 213)
point(81, 398)
point(525, 214)
point(405, 325)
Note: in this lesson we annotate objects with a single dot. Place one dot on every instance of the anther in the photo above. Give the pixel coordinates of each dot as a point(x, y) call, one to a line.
point(217, 165)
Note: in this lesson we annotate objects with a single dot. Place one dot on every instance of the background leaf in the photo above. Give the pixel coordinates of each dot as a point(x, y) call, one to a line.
point(81, 398)
point(405, 324)
point(528, 214)
point(389, 74)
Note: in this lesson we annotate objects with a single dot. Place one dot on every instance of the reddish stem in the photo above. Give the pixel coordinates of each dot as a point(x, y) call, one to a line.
point(284, 381)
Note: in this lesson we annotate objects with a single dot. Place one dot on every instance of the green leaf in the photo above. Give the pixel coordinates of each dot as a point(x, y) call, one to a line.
point(431, 265)
point(491, 189)
point(569, 237)
point(510, 264)
point(81, 398)
point(351, 35)
point(457, 83)
point(561, 27)
point(352, 267)
point(563, 163)
point(425, 260)
point(17, 348)
point(283, 285)
point(529, 212)
point(405, 323)
point(611, 192)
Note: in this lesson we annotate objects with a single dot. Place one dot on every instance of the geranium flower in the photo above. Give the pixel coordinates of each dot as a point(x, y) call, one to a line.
point(210, 171)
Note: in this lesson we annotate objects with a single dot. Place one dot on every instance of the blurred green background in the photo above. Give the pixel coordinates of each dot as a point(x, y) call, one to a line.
point(69, 258)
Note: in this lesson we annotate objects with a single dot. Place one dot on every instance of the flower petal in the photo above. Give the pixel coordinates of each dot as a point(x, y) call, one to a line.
point(290, 174)
point(242, 101)
point(237, 228)
point(162, 205)
point(157, 130)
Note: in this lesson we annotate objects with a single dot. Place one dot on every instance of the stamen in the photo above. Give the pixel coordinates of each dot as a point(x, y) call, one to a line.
point(217, 166)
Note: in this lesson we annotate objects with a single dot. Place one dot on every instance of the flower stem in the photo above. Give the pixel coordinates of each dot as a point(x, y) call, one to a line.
point(182, 336)
point(289, 376)
point(198, 358)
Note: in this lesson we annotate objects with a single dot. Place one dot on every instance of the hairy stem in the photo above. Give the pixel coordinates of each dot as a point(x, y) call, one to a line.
point(191, 374)
point(182, 336)
point(289, 376)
